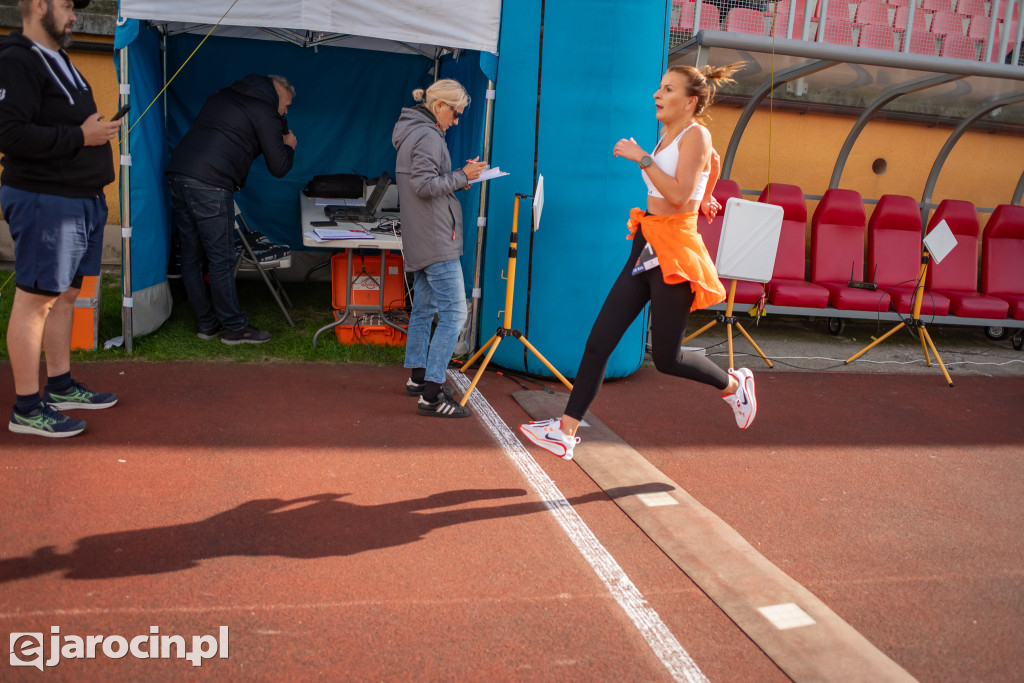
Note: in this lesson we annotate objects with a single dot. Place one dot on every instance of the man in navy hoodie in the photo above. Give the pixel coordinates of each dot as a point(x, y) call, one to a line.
point(235, 125)
point(57, 159)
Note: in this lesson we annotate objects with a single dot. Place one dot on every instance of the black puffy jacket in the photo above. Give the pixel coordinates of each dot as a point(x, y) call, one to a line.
point(235, 126)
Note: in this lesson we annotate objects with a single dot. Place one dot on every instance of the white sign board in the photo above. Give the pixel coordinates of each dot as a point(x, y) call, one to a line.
point(750, 240)
point(940, 241)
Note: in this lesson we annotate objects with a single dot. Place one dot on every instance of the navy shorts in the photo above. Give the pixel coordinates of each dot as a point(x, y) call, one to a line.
point(57, 240)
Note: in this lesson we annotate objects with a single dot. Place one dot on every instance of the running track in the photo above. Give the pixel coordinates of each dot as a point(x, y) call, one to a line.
point(340, 536)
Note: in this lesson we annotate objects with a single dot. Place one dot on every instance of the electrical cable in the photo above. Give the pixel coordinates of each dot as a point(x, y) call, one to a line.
point(171, 79)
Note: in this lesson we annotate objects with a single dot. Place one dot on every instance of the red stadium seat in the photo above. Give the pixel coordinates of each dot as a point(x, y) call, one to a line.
point(947, 24)
point(957, 275)
point(894, 254)
point(922, 43)
point(712, 232)
point(743, 20)
point(1002, 257)
point(877, 37)
point(839, 32)
point(958, 47)
point(899, 23)
point(872, 12)
point(936, 5)
point(788, 286)
point(837, 252)
point(708, 17)
point(971, 8)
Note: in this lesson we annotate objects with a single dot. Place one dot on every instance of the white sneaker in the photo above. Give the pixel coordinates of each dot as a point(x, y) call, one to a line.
point(744, 401)
point(548, 434)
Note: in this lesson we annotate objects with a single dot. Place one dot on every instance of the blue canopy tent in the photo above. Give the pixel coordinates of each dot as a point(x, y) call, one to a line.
point(350, 87)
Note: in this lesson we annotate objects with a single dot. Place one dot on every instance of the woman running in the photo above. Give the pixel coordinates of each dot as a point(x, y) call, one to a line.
point(675, 273)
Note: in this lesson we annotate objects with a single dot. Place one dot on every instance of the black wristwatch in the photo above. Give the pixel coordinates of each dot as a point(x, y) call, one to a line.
point(645, 161)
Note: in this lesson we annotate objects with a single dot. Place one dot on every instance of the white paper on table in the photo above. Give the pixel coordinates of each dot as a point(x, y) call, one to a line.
point(330, 234)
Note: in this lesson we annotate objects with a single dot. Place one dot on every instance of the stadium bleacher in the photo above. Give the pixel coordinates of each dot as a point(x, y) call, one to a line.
point(934, 21)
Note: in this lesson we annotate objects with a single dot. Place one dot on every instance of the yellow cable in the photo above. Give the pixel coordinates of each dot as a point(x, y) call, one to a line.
point(171, 80)
point(5, 282)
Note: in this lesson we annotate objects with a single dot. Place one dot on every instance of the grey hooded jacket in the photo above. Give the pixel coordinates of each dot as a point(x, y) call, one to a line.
point(431, 215)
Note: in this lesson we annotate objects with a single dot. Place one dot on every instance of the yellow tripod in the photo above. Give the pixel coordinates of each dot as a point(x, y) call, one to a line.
point(926, 339)
point(506, 329)
point(729, 319)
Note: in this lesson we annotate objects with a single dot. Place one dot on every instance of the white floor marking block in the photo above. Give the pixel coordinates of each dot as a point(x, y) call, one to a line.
point(653, 500)
point(786, 616)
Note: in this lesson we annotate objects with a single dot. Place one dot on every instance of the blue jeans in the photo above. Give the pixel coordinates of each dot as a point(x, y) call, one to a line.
point(438, 288)
point(204, 217)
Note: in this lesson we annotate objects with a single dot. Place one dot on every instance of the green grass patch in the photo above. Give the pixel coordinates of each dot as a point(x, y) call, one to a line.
point(176, 339)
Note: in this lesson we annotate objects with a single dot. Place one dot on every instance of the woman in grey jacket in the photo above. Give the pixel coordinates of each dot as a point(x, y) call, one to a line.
point(432, 239)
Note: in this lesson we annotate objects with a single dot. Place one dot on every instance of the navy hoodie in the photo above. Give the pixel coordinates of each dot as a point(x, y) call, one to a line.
point(41, 114)
point(235, 126)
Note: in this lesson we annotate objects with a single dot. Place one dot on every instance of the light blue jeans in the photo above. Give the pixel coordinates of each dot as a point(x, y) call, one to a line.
point(438, 288)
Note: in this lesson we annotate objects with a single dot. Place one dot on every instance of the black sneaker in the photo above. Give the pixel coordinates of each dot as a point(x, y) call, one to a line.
point(246, 335)
point(444, 406)
point(416, 388)
point(45, 421)
point(77, 396)
point(207, 335)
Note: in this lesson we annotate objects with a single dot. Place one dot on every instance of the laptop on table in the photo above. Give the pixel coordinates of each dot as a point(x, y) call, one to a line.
point(363, 213)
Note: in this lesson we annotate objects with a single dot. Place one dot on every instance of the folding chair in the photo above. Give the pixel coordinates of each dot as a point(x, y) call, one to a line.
point(249, 261)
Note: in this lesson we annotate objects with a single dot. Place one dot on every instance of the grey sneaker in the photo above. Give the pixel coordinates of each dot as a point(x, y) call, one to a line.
point(246, 335)
point(44, 421)
point(207, 335)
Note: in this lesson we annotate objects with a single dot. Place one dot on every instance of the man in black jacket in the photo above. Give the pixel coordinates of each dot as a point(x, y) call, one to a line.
point(211, 162)
point(57, 159)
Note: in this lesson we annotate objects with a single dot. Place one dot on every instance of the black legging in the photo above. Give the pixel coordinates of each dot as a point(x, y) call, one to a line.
point(670, 310)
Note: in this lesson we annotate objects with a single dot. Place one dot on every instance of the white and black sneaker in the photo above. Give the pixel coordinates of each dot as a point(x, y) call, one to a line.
point(413, 388)
point(548, 434)
point(744, 401)
point(444, 406)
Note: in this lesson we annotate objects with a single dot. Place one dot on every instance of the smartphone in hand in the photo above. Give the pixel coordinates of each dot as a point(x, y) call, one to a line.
point(121, 112)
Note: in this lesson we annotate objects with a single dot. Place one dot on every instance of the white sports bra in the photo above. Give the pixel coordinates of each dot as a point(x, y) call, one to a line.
point(667, 160)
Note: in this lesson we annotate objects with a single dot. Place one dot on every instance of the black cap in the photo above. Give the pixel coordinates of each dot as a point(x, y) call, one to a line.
point(82, 4)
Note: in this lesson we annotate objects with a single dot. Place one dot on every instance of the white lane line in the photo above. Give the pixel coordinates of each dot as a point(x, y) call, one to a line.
point(646, 620)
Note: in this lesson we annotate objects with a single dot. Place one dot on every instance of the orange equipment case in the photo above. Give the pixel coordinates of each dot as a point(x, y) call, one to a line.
point(85, 323)
point(366, 280)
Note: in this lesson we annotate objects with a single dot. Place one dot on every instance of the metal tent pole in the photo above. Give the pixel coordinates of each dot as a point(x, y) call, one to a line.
point(481, 224)
point(126, 214)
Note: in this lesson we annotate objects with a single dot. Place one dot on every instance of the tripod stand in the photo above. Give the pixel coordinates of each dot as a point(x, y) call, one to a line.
point(915, 322)
point(729, 319)
point(506, 329)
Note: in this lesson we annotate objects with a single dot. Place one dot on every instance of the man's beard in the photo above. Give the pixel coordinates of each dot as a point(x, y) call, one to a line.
point(63, 38)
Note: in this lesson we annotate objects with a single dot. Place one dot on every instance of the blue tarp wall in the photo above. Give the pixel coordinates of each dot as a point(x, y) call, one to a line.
point(600, 65)
point(346, 104)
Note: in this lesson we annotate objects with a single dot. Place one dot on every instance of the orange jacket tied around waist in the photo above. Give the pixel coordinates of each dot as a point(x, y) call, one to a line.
point(681, 253)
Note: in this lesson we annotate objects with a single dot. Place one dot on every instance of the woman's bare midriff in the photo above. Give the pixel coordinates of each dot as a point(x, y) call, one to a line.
point(659, 206)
